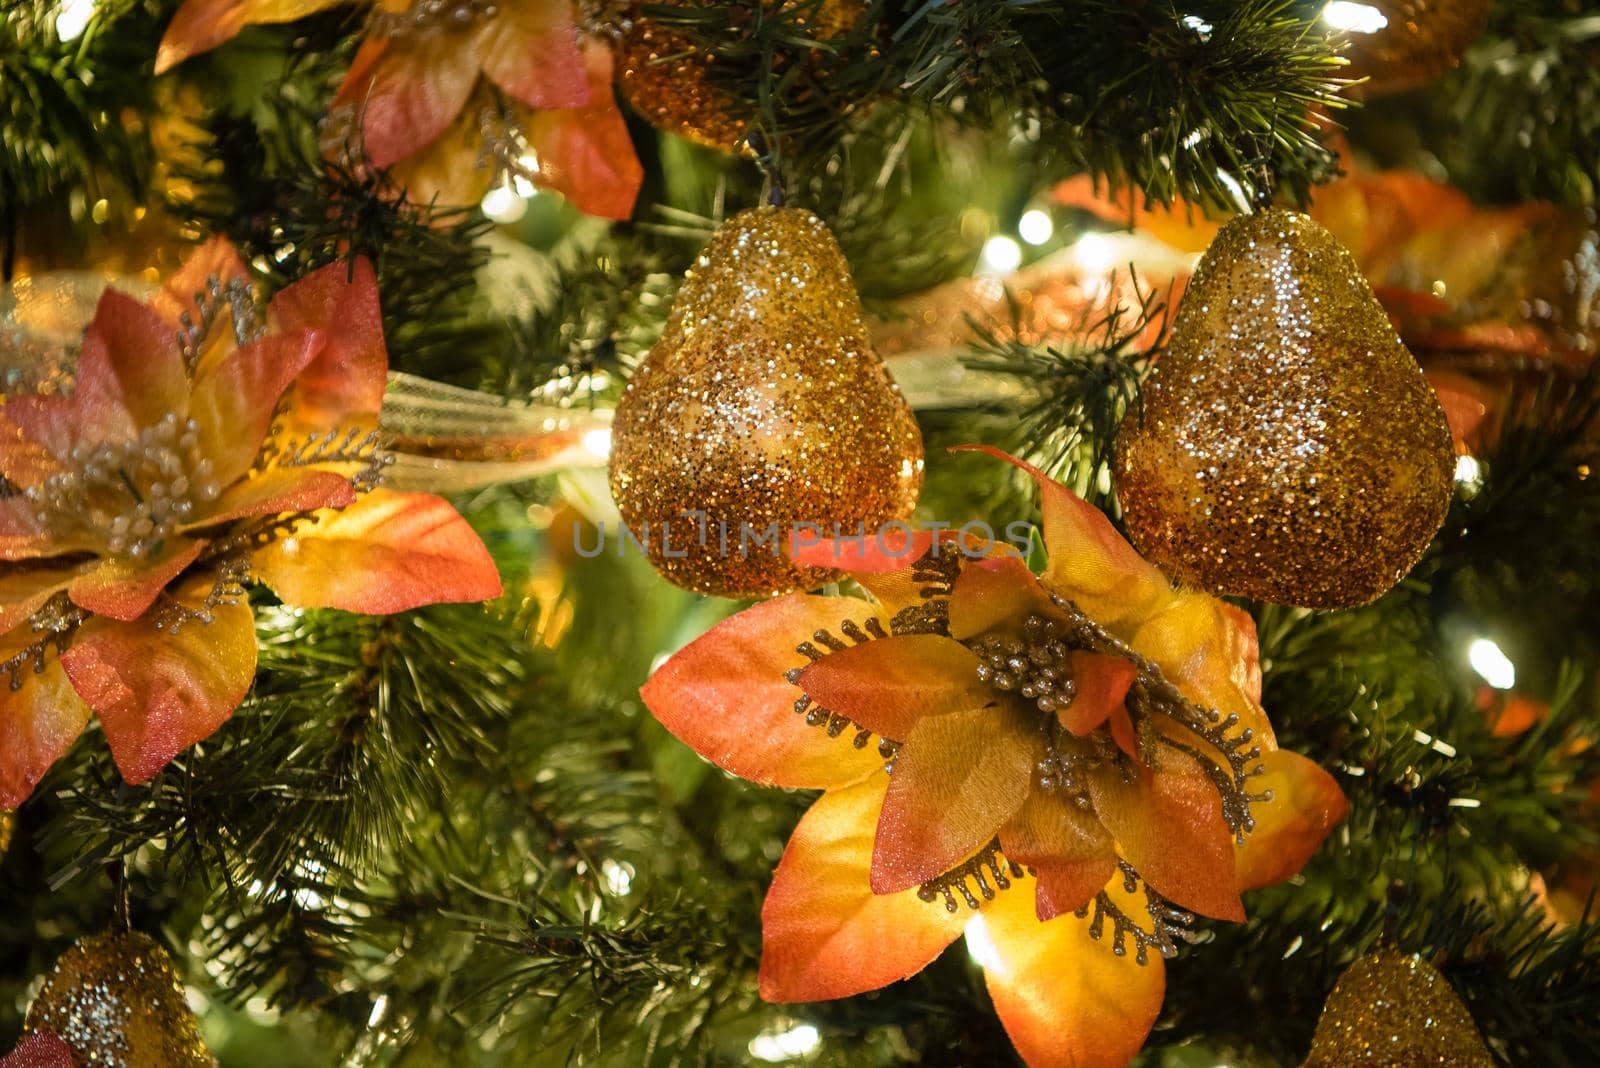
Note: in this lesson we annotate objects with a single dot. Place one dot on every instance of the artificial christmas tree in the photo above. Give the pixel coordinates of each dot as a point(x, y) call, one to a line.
point(339, 694)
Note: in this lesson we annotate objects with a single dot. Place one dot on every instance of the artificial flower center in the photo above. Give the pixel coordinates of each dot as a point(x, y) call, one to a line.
point(424, 16)
point(126, 497)
point(1034, 667)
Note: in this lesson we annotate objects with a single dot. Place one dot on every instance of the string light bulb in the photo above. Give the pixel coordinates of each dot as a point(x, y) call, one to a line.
point(502, 204)
point(73, 18)
point(1000, 255)
point(1489, 661)
point(788, 1044)
point(1035, 227)
point(1348, 17)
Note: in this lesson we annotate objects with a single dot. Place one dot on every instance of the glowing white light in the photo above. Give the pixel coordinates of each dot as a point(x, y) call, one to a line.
point(1000, 255)
point(1035, 227)
point(1354, 18)
point(73, 18)
point(1095, 253)
point(503, 205)
point(380, 1008)
point(618, 877)
point(1198, 25)
point(1468, 470)
point(1495, 667)
point(980, 947)
point(597, 442)
point(310, 869)
point(774, 1047)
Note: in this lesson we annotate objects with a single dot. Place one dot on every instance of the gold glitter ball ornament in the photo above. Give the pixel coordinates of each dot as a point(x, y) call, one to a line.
point(1420, 40)
point(116, 1000)
point(1286, 447)
point(1390, 1010)
point(763, 407)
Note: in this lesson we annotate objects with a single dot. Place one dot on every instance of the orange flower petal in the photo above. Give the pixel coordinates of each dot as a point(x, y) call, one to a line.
point(956, 780)
point(530, 50)
point(344, 383)
point(1100, 682)
point(1065, 999)
point(1070, 851)
point(725, 696)
point(889, 684)
point(1168, 825)
point(39, 721)
point(447, 171)
point(1466, 403)
point(388, 552)
point(277, 490)
point(158, 691)
point(201, 25)
point(1208, 649)
point(881, 562)
point(1181, 225)
point(216, 259)
point(130, 373)
point(1090, 563)
point(586, 153)
point(1306, 804)
point(873, 552)
point(824, 933)
point(125, 589)
point(21, 534)
point(235, 402)
point(994, 593)
point(35, 433)
point(409, 91)
point(24, 590)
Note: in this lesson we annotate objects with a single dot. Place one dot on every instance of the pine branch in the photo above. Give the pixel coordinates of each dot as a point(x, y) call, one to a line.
point(1162, 97)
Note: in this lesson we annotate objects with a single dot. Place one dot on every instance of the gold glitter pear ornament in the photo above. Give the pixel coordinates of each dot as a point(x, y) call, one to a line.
point(667, 80)
point(1419, 40)
point(763, 407)
point(116, 1000)
point(1390, 1010)
point(1286, 447)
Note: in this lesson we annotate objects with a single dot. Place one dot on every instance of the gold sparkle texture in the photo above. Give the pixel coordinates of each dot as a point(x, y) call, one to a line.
point(1390, 1010)
point(762, 407)
point(116, 1000)
point(1286, 447)
point(8, 824)
point(1421, 40)
point(668, 81)
point(664, 78)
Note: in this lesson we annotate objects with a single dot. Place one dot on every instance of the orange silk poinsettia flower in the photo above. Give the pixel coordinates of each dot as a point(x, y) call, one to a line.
point(453, 95)
point(1065, 767)
point(208, 442)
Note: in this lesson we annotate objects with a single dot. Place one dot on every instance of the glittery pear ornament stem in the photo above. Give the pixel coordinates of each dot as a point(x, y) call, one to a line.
point(116, 1000)
point(762, 408)
point(1390, 1010)
point(1286, 447)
